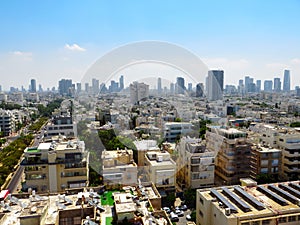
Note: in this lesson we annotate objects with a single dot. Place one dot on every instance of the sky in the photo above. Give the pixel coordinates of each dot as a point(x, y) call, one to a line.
point(49, 40)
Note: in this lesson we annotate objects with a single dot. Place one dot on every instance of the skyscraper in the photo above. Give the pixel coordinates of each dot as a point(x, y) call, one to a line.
point(159, 88)
point(199, 90)
point(190, 87)
point(286, 81)
point(180, 85)
point(215, 85)
point(277, 84)
point(258, 86)
point(95, 86)
point(138, 91)
point(268, 85)
point(32, 85)
point(65, 86)
point(121, 81)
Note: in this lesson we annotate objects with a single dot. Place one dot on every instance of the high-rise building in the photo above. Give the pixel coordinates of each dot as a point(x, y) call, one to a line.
point(180, 85)
point(32, 85)
point(0, 88)
point(268, 85)
point(86, 87)
point(78, 87)
point(297, 91)
point(114, 86)
point(190, 87)
point(172, 88)
point(65, 86)
point(258, 86)
point(138, 91)
point(121, 81)
point(277, 84)
point(159, 88)
point(286, 81)
point(247, 83)
point(95, 86)
point(199, 90)
point(215, 85)
point(241, 87)
point(40, 88)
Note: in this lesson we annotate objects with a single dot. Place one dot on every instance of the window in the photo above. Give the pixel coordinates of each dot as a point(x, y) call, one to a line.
point(282, 220)
point(264, 170)
point(275, 162)
point(256, 223)
point(266, 222)
point(246, 223)
point(292, 218)
point(201, 200)
point(201, 213)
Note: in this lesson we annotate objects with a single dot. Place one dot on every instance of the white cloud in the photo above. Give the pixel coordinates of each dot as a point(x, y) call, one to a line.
point(74, 47)
point(26, 56)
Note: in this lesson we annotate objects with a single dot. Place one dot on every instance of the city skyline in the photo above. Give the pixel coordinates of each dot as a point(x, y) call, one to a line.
point(254, 38)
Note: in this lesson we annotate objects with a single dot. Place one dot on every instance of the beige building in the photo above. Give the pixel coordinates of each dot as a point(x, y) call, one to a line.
point(270, 204)
point(160, 169)
point(288, 141)
point(233, 153)
point(55, 166)
point(119, 167)
point(50, 210)
point(265, 160)
point(195, 164)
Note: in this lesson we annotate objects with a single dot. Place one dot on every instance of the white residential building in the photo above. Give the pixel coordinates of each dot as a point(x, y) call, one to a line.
point(195, 163)
point(173, 130)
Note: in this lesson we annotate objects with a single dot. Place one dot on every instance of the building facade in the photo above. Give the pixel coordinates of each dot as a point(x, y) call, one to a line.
point(233, 153)
point(196, 164)
point(55, 167)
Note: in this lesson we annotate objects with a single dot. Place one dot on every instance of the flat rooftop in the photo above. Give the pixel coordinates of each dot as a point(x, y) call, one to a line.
point(263, 200)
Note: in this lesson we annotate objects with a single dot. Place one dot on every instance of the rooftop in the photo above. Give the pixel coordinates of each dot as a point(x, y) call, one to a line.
point(249, 202)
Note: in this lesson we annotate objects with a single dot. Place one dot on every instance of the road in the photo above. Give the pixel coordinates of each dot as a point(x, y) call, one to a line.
point(15, 180)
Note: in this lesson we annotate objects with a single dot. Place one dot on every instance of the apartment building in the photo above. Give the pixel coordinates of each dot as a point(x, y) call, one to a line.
point(268, 204)
point(55, 167)
point(173, 130)
point(233, 153)
point(119, 168)
point(76, 209)
point(288, 141)
point(265, 160)
point(61, 125)
point(195, 164)
point(160, 169)
point(7, 123)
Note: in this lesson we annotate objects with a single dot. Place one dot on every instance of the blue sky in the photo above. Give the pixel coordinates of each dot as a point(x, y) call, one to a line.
point(48, 40)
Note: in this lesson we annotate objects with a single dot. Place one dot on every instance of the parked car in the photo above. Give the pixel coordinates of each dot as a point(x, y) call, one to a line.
point(174, 217)
point(188, 217)
point(179, 213)
point(167, 209)
point(183, 207)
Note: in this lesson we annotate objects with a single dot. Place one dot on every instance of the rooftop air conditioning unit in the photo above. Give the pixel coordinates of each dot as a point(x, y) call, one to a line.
point(227, 211)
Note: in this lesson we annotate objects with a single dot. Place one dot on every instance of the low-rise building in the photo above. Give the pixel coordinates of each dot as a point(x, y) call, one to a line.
point(173, 130)
point(61, 125)
point(160, 169)
point(253, 205)
point(119, 168)
point(54, 167)
point(7, 122)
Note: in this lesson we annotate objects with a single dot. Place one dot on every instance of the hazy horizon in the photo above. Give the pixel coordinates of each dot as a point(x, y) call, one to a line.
point(51, 40)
